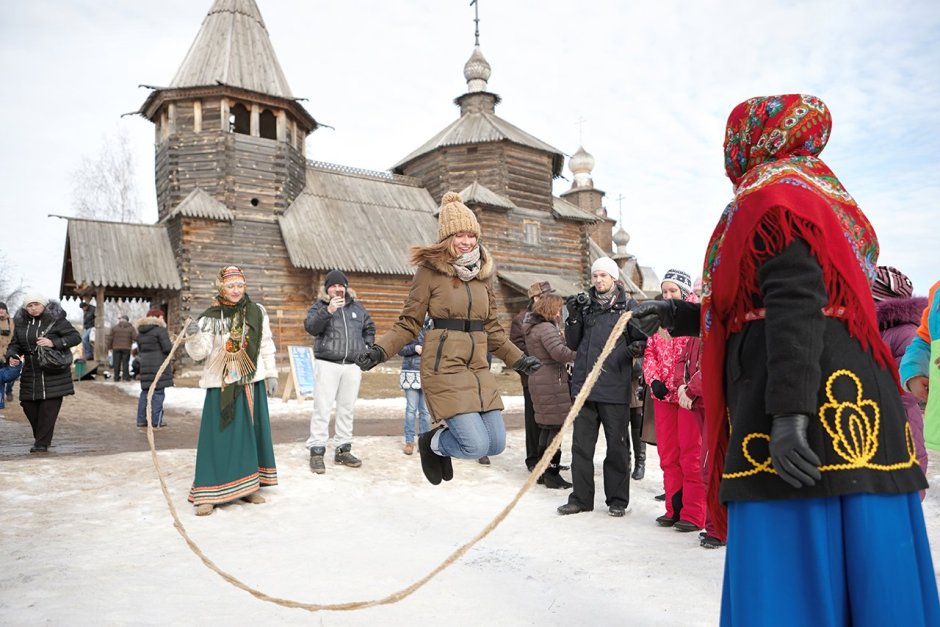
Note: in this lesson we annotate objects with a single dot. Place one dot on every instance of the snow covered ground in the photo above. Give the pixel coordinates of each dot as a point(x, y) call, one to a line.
point(90, 541)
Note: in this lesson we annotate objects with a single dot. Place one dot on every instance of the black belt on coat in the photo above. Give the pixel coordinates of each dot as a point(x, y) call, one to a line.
point(466, 326)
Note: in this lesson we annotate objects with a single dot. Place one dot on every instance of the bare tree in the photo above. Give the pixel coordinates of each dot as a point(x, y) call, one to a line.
point(12, 288)
point(104, 188)
point(103, 185)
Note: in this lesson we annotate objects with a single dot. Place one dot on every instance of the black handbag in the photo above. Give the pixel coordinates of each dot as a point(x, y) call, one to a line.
point(51, 359)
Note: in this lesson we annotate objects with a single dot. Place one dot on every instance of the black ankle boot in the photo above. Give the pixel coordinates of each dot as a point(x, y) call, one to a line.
point(639, 471)
point(553, 480)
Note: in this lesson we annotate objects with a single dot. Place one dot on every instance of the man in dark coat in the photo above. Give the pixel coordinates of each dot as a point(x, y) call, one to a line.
point(88, 325)
point(120, 341)
point(343, 329)
point(588, 326)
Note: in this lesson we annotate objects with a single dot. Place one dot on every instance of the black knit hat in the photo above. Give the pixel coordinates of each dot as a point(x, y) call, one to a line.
point(335, 277)
point(3, 306)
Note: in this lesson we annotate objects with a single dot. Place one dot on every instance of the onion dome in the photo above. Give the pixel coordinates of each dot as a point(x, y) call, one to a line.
point(477, 71)
point(581, 165)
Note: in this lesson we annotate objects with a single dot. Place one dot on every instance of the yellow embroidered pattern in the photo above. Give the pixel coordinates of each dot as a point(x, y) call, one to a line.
point(853, 426)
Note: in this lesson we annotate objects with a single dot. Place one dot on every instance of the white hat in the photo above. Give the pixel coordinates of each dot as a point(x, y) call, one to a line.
point(35, 297)
point(606, 264)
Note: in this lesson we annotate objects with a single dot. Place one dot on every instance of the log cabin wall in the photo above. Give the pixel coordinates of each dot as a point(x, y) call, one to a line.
point(259, 176)
point(256, 246)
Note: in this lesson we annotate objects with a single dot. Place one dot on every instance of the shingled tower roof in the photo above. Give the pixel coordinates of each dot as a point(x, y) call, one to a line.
point(233, 48)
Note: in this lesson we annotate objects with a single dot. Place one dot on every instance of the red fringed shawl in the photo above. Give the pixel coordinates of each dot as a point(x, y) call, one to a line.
point(782, 192)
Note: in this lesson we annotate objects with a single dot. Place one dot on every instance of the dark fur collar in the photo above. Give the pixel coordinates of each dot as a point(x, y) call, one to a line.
point(441, 262)
point(53, 311)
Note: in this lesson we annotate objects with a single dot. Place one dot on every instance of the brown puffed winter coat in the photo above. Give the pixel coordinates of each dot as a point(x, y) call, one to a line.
point(455, 374)
point(548, 386)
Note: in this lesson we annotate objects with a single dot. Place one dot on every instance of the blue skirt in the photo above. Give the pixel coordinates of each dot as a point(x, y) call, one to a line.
point(859, 560)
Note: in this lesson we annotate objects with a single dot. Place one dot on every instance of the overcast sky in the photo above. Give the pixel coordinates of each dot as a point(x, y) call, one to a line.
point(653, 82)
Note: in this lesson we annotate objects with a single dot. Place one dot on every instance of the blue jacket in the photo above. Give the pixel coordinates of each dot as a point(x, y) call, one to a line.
point(411, 359)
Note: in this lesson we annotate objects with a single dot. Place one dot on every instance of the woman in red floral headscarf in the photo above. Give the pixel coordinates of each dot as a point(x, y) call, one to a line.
point(809, 445)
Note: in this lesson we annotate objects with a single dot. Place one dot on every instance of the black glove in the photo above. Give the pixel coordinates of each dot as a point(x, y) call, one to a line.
point(574, 308)
point(527, 364)
point(371, 357)
point(636, 348)
point(649, 316)
point(793, 459)
point(659, 389)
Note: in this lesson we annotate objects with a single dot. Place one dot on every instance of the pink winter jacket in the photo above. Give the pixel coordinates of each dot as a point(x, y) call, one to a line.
point(663, 361)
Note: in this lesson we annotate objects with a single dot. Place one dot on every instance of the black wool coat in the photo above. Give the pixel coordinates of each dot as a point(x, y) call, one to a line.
point(36, 385)
point(587, 335)
point(797, 360)
point(153, 345)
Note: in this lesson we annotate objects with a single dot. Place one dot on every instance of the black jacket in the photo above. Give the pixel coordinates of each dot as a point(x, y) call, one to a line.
point(88, 320)
point(153, 344)
point(586, 334)
point(342, 335)
point(36, 385)
point(797, 360)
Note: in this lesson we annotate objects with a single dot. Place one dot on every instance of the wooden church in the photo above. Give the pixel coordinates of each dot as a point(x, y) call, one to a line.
point(234, 186)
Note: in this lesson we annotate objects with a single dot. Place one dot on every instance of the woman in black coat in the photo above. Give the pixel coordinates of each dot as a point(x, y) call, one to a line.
point(41, 323)
point(153, 346)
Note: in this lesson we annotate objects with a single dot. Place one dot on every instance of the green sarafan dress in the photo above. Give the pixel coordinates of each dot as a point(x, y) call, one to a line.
point(235, 461)
point(235, 452)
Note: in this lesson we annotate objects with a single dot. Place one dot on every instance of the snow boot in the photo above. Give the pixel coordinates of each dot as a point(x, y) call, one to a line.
point(553, 480)
point(345, 458)
point(317, 466)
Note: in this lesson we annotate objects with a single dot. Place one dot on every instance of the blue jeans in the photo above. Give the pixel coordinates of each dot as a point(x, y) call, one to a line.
point(471, 436)
point(414, 404)
point(156, 408)
point(86, 344)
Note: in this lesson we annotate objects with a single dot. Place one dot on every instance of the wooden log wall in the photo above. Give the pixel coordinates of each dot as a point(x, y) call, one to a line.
point(253, 175)
point(204, 246)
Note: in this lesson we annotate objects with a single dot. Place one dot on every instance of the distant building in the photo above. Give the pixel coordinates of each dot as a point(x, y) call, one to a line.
point(234, 186)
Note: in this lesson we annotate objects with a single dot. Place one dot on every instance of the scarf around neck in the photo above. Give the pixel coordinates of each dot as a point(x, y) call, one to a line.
point(237, 361)
point(782, 192)
point(468, 265)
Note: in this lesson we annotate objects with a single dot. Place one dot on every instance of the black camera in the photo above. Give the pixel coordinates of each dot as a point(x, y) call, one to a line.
point(582, 298)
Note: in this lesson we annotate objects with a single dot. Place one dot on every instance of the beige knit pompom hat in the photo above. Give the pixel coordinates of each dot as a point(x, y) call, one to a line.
point(455, 217)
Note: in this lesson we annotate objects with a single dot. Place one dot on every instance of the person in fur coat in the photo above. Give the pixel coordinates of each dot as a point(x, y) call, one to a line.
point(153, 343)
point(453, 285)
point(41, 322)
point(898, 314)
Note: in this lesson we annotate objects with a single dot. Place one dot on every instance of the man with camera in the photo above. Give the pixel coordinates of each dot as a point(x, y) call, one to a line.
point(592, 316)
point(343, 329)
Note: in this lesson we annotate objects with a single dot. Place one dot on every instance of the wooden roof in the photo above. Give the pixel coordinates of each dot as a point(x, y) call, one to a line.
point(233, 48)
point(357, 221)
point(480, 128)
point(564, 209)
point(128, 259)
point(565, 284)
point(199, 204)
point(475, 193)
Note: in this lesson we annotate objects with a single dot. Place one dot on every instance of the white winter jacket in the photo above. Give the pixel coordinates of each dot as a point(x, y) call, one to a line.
point(206, 344)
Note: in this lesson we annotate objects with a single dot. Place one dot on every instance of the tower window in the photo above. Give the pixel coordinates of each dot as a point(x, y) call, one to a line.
point(239, 119)
point(268, 125)
point(532, 232)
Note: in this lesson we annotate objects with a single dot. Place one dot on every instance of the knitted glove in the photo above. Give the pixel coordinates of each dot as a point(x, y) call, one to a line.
point(659, 389)
point(270, 386)
point(192, 329)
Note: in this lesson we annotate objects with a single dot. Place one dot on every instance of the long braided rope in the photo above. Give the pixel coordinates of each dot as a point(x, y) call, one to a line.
point(397, 596)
